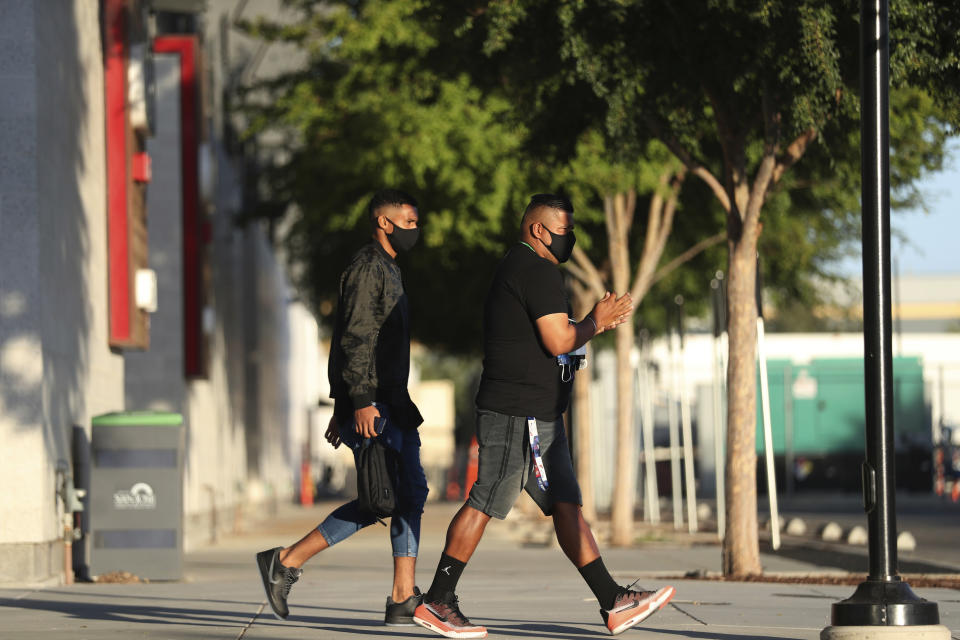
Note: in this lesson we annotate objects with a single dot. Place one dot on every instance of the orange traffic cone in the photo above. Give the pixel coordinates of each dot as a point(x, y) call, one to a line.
point(306, 484)
point(939, 484)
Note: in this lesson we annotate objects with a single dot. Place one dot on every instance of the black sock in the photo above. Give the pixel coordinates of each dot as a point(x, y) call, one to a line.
point(600, 582)
point(445, 579)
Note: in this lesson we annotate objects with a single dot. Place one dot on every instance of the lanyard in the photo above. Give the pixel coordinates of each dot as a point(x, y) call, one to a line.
point(535, 448)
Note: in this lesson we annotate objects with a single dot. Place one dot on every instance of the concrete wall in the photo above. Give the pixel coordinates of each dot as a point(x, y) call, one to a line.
point(155, 378)
point(307, 380)
point(56, 369)
point(283, 368)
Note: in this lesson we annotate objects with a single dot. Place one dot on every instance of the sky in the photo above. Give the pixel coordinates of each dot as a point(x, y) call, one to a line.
point(931, 239)
point(930, 242)
point(934, 238)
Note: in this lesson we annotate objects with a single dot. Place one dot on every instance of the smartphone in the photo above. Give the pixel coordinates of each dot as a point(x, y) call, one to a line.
point(378, 424)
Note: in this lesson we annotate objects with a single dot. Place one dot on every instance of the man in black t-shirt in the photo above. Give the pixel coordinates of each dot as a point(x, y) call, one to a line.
point(520, 377)
point(523, 393)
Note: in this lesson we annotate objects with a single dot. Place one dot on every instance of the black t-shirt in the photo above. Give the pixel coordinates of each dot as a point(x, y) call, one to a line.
point(520, 377)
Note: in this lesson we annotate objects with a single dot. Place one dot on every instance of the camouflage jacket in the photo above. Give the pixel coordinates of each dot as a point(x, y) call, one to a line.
point(370, 352)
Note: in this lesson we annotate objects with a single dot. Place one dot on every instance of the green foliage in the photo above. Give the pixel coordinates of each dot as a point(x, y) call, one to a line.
point(372, 110)
point(596, 171)
point(725, 80)
point(474, 106)
point(399, 93)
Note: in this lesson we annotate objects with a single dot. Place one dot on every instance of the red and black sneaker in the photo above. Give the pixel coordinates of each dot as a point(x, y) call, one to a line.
point(633, 607)
point(446, 619)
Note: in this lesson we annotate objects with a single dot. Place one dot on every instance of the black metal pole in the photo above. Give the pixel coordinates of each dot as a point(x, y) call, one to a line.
point(878, 471)
point(884, 599)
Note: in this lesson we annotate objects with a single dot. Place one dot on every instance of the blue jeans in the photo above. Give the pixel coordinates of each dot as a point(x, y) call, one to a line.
point(347, 519)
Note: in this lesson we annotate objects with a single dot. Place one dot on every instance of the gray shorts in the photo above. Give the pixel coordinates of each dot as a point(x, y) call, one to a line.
point(506, 465)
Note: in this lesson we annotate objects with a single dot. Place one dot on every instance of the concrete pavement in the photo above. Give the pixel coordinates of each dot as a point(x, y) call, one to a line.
point(517, 591)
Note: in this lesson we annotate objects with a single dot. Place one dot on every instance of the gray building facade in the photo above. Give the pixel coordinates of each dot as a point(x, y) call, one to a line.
point(60, 361)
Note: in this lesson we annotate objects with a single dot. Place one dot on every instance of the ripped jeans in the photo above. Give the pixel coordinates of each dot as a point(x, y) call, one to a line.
point(347, 519)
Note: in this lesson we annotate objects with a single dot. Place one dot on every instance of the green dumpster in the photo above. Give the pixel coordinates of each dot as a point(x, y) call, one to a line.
point(136, 494)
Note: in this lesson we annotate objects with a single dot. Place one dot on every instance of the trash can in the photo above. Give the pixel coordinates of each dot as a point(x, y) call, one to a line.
point(136, 495)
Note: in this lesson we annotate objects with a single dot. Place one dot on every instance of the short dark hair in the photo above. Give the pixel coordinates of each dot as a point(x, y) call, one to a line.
point(545, 201)
point(386, 198)
point(550, 201)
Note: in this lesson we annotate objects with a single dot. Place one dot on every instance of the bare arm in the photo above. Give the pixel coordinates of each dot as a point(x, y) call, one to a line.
point(559, 336)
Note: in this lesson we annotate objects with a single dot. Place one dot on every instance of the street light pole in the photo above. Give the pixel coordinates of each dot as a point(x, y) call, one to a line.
point(884, 599)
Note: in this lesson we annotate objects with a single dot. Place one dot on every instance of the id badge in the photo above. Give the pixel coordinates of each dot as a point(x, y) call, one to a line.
point(538, 467)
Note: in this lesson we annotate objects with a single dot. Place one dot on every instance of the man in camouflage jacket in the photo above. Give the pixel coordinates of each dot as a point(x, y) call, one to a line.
point(368, 370)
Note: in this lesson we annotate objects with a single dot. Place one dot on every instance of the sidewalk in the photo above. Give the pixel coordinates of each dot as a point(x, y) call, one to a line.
point(517, 592)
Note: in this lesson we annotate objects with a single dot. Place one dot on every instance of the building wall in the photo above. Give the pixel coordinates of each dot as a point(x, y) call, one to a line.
point(238, 417)
point(56, 369)
point(21, 361)
point(282, 371)
point(154, 379)
point(307, 379)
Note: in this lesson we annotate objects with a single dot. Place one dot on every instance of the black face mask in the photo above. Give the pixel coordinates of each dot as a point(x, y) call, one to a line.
point(403, 239)
point(561, 246)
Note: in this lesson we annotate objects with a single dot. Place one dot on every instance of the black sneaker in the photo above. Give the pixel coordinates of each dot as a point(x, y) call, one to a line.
point(277, 580)
point(400, 614)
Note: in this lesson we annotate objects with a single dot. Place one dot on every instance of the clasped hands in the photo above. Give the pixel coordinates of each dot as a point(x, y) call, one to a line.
point(611, 311)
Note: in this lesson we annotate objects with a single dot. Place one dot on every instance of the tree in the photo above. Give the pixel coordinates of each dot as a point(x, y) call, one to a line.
point(381, 101)
point(371, 109)
point(617, 184)
point(397, 92)
point(609, 177)
point(740, 93)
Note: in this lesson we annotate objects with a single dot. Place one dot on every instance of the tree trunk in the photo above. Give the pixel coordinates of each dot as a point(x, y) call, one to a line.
point(741, 546)
point(619, 211)
point(583, 440)
point(741, 553)
point(625, 485)
point(743, 202)
point(582, 418)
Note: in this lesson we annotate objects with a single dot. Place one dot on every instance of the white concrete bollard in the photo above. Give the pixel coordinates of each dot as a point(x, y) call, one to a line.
point(906, 541)
point(796, 527)
point(858, 536)
point(831, 532)
point(704, 511)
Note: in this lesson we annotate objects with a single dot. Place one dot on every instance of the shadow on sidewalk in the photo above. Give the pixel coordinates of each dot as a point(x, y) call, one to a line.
point(145, 614)
point(119, 596)
point(200, 617)
point(541, 630)
point(713, 635)
point(111, 612)
point(115, 596)
point(854, 561)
